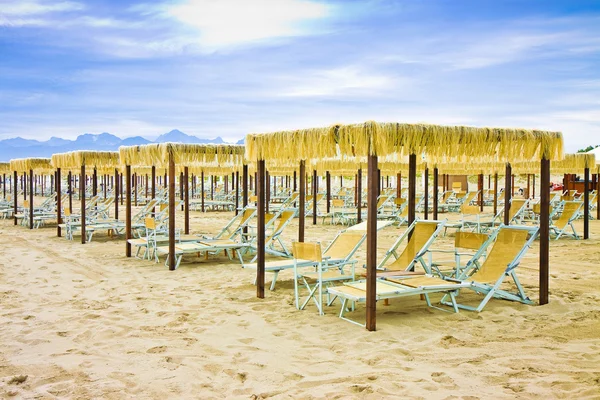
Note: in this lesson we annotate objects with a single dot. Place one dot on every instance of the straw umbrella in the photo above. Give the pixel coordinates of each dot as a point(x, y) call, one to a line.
point(169, 155)
point(373, 140)
point(80, 160)
point(28, 166)
point(4, 169)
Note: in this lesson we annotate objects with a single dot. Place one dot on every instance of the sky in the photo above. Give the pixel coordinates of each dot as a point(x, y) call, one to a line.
point(231, 67)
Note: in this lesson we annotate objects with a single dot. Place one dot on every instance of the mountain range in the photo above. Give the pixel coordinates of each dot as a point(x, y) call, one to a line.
point(25, 148)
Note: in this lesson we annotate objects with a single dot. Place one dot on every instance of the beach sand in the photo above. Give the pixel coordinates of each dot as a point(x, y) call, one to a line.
point(84, 321)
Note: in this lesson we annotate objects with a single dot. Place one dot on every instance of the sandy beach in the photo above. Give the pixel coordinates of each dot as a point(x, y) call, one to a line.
point(84, 321)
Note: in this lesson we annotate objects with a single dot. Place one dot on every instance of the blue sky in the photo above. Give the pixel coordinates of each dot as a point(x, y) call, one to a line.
point(230, 67)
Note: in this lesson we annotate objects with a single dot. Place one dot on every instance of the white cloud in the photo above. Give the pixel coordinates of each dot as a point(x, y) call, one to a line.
point(24, 8)
point(224, 23)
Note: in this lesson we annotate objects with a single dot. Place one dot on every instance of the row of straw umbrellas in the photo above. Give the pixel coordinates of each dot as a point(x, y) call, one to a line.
point(379, 148)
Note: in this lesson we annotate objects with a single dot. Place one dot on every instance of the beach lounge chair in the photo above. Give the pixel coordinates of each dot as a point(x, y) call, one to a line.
point(465, 244)
point(419, 236)
point(570, 212)
point(235, 226)
point(284, 218)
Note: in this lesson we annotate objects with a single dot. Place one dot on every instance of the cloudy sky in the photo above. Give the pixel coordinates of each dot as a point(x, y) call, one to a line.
point(230, 67)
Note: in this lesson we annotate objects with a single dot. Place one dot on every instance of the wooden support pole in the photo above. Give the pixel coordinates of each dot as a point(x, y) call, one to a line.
point(236, 182)
point(586, 203)
point(135, 188)
point(181, 194)
point(359, 195)
point(328, 189)
point(121, 188)
point(496, 193)
point(186, 199)
point(533, 187)
point(302, 200)
point(244, 185)
point(95, 182)
point(412, 187)
point(202, 190)
point(172, 259)
point(31, 197)
point(372, 184)
point(260, 230)
point(116, 190)
point(435, 193)
point(398, 185)
point(480, 188)
point(528, 196)
point(128, 233)
point(268, 190)
point(70, 189)
point(426, 194)
point(315, 182)
point(153, 173)
point(295, 181)
point(544, 230)
point(15, 197)
point(82, 181)
point(58, 202)
point(508, 189)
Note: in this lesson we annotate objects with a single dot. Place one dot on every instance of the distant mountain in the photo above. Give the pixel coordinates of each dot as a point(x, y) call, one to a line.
point(241, 141)
point(176, 136)
point(22, 148)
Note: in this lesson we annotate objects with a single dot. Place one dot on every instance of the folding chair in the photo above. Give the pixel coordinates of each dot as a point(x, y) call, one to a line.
point(570, 212)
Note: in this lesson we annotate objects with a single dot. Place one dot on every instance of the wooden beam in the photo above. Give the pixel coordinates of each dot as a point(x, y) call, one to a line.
point(15, 197)
point(260, 230)
point(31, 197)
point(586, 203)
point(202, 189)
point(372, 184)
point(171, 262)
point(412, 187)
point(544, 230)
point(328, 189)
point(480, 197)
point(116, 190)
point(82, 181)
point(496, 193)
point(128, 234)
point(302, 200)
point(186, 199)
point(426, 194)
point(507, 193)
point(58, 203)
point(435, 193)
point(359, 195)
point(315, 193)
point(236, 182)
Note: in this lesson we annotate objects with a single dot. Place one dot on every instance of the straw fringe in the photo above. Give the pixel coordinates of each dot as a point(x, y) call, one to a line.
point(38, 165)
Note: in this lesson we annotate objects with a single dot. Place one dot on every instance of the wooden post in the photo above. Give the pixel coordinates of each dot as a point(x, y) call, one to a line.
point(212, 187)
point(236, 182)
point(544, 230)
point(412, 189)
point(95, 182)
point(315, 182)
point(328, 189)
point(260, 230)
point(398, 185)
point(507, 193)
point(435, 193)
point(82, 181)
point(121, 188)
point(58, 202)
point(15, 197)
point(31, 197)
point(244, 185)
point(181, 194)
point(116, 190)
point(128, 232)
point(480, 188)
point(426, 194)
point(359, 195)
point(153, 173)
point(186, 199)
point(295, 186)
point(172, 261)
point(372, 184)
point(267, 187)
point(302, 197)
point(70, 188)
point(202, 189)
point(528, 186)
point(586, 203)
point(533, 187)
point(495, 194)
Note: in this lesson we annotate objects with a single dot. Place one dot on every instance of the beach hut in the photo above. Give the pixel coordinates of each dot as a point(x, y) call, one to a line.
point(373, 140)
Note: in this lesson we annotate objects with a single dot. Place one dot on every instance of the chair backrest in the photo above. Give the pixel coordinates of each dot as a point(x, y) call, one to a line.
point(422, 232)
point(507, 246)
point(537, 206)
point(150, 223)
point(337, 203)
point(469, 240)
point(399, 201)
point(284, 219)
point(247, 214)
point(26, 203)
point(516, 205)
point(569, 211)
point(345, 244)
point(466, 209)
point(445, 197)
point(381, 201)
point(470, 196)
point(567, 198)
point(307, 251)
point(457, 186)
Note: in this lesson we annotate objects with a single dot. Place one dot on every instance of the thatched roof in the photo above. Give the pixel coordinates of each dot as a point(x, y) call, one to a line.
point(383, 139)
point(216, 155)
point(38, 165)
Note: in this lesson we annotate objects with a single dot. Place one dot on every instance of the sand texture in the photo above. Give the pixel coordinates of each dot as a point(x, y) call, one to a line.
point(84, 321)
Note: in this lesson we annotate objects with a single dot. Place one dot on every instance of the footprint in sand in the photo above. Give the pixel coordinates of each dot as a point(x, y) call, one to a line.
point(157, 349)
